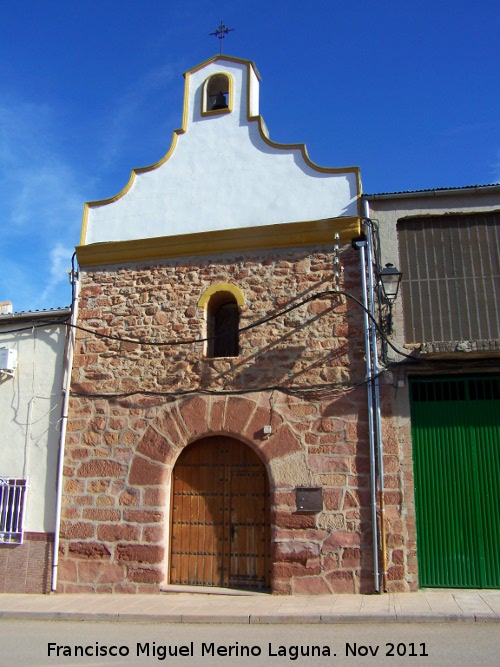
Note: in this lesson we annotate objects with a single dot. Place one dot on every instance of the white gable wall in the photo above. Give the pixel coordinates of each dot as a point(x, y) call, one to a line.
point(221, 173)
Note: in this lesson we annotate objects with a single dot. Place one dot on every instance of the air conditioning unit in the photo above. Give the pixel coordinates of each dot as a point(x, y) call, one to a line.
point(8, 361)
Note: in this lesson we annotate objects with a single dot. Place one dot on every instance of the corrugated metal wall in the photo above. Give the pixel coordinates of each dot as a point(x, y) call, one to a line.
point(451, 277)
point(456, 454)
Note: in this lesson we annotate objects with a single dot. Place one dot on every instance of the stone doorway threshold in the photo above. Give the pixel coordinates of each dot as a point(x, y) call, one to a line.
point(210, 590)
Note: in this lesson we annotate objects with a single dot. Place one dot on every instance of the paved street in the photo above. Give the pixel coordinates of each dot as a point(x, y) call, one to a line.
point(28, 643)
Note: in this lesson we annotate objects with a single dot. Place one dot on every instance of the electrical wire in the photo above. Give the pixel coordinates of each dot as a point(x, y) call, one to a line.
point(269, 318)
point(311, 390)
point(191, 341)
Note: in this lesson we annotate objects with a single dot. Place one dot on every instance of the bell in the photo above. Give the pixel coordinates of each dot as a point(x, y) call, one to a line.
point(219, 102)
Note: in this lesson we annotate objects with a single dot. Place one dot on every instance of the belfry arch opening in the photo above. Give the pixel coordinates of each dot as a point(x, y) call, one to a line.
point(218, 94)
point(220, 517)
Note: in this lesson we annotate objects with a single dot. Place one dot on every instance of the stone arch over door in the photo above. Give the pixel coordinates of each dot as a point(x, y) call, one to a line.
point(220, 534)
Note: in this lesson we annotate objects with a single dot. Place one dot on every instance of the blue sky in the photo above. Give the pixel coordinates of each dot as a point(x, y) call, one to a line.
point(91, 89)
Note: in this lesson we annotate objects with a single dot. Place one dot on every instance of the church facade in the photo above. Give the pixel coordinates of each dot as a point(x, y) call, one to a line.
point(218, 431)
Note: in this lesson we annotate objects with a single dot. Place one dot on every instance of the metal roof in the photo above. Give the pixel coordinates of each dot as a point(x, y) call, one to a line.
point(49, 313)
point(434, 191)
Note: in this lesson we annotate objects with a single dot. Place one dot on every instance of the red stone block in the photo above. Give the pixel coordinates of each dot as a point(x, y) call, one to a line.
point(341, 582)
point(129, 498)
point(194, 414)
point(393, 498)
point(100, 468)
point(296, 552)
point(88, 550)
point(155, 497)
point(142, 516)
point(286, 571)
point(117, 533)
point(145, 473)
point(79, 530)
point(325, 463)
point(79, 453)
point(88, 572)
point(237, 414)
point(310, 586)
point(351, 558)
point(332, 499)
point(282, 443)
point(144, 575)
point(66, 570)
point(156, 447)
point(397, 557)
point(281, 588)
point(396, 573)
point(287, 520)
point(341, 539)
point(153, 534)
point(260, 418)
point(101, 514)
point(140, 553)
point(216, 416)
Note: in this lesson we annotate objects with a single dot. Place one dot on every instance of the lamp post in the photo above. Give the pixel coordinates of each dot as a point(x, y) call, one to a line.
point(389, 279)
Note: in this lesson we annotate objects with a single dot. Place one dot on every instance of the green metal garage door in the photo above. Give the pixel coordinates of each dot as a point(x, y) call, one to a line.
point(456, 456)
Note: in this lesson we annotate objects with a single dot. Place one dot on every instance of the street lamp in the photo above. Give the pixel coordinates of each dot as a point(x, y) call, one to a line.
point(389, 278)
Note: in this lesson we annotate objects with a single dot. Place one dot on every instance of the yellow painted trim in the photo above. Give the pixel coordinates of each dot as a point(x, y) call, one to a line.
point(265, 237)
point(122, 193)
point(139, 170)
point(230, 59)
point(221, 287)
point(261, 125)
point(204, 97)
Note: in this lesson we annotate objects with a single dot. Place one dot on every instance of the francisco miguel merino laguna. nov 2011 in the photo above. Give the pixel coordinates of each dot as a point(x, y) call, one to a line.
point(236, 650)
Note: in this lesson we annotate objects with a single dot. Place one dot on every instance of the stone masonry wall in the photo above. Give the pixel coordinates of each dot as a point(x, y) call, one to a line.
point(135, 407)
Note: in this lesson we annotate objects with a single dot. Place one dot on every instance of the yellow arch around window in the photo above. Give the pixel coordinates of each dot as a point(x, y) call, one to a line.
point(221, 287)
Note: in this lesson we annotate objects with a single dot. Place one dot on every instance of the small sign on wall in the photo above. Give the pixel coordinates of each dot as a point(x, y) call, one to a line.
point(309, 499)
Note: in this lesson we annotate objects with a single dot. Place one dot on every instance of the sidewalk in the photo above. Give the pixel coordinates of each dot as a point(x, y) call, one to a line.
point(424, 606)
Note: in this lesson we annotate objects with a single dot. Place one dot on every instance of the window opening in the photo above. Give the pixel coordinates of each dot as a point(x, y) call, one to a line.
point(223, 324)
point(217, 93)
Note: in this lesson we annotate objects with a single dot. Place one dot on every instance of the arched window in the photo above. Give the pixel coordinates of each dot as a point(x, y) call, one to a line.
point(222, 303)
point(217, 94)
point(223, 322)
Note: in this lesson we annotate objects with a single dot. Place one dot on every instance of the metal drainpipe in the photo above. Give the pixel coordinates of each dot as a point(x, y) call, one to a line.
point(377, 414)
point(64, 420)
point(361, 245)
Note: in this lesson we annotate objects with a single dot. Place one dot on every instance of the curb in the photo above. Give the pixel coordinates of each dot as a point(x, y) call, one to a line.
point(248, 619)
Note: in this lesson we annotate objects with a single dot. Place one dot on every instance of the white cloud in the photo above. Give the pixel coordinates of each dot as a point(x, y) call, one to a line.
point(43, 185)
point(37, 187)
point(60, 263)
point(40, 207)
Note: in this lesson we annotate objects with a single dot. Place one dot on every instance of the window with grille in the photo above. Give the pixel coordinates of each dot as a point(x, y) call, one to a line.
point(451, 277)
point(12, 506)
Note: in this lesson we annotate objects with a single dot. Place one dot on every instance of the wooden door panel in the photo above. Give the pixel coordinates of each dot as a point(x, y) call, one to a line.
point(249, 537)
point(197, 524)
point(220, 516)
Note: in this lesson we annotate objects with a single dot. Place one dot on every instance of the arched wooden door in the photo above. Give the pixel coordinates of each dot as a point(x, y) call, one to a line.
point(220, 516)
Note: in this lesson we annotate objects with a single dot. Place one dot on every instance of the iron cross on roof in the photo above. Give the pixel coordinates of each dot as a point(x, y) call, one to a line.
point(221, 32)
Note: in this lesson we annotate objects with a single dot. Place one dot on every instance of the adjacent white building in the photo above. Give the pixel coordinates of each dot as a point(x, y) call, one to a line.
point(32, 355)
